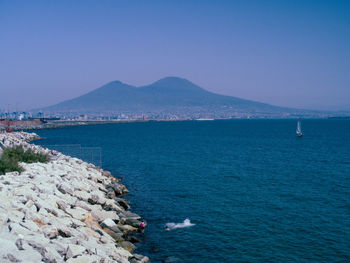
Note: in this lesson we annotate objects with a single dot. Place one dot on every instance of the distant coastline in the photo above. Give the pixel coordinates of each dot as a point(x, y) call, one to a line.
point(62, 124)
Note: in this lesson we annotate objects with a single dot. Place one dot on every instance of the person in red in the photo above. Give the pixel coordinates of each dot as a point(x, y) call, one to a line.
point(142, 226)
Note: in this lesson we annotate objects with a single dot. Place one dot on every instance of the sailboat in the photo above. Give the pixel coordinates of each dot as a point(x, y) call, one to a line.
point(299, 132)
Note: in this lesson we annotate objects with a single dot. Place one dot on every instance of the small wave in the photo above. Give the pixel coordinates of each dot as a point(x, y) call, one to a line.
point(186, 223)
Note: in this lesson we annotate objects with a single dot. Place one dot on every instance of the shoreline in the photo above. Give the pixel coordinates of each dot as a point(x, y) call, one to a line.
point(63, 124)
point(65, 210)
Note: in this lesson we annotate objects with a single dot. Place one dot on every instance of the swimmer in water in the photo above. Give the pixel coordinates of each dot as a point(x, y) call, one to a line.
point(172, 226)
point(167, 228)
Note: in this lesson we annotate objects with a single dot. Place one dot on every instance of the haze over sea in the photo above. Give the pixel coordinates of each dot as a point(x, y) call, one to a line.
point(255, 192)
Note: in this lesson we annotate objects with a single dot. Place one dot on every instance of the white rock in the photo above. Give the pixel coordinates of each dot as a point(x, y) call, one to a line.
point(86, 259)
point(30, 225)
point(52, 255)
point(7, 243)
point(105, 239)
point(121, 255)
point(3, 219)
point(83, 205)
point(65, 188)
point(109, 223)
point(77, 213)
point(74, 250)
point(98, 197)
point(113, 205)
point(99, 214)
point(29, 256)
point(25, 190)
point(65, 231)
point(15, 215)
point(17, 229)
point(82, 195)
point(60, 246)
point(90, 232)
point(49, 231)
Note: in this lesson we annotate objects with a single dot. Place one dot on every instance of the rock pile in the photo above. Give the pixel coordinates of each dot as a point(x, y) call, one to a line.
point(65, 210)
point(17, 138)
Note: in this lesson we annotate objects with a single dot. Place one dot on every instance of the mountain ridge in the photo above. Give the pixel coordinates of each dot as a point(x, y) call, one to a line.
point(169, 94)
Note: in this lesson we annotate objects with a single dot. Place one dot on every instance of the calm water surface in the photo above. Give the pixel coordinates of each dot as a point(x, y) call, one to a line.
point(255, 191)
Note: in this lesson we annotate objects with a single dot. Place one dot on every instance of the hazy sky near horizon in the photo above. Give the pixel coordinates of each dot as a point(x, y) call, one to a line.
point(287, 53)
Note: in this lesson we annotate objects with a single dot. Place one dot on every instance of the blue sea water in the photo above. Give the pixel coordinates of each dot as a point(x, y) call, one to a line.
point(255, 192)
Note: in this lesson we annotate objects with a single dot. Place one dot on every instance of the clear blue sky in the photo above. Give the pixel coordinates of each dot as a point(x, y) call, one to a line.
point(287, 53)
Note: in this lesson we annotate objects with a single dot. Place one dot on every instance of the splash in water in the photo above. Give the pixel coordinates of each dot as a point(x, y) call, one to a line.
point(186, 223)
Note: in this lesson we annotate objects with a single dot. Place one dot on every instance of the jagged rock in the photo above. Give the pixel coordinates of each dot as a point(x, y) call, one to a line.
point(3, 219)
point(18, 229)
point(49, 231)
point(133, 239)
point(29, 256)
point(127, 245)
point(77, 213)
point(118, 190)
point(111, 194)
point(127, 228)
point(116, 236)
point(104, 239)
point(82, 195)
point(131, 215)
point(40, 204)
point(84, 259)
point(15, 215)
point(139, 259)
point(11, 258)
point(130, 221)
point(59, 246)
point(30, 225)
point(110, 224)
point(83, 205)
point(19, 244)
point(54, 211)
point(123, 203)
point(7, 245)
point(89, 232)
point(74, 250)
point(99, 214)
point(111, 205)
point(49, 200)
point(97, 197)
point(25, 190)
point(64, 232)
point(61, 205)
point(38, 247)
point(123, 253)
point(52, 256)
point(31, 206)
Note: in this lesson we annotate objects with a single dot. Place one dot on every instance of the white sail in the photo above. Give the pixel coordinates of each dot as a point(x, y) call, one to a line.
point(299, 132)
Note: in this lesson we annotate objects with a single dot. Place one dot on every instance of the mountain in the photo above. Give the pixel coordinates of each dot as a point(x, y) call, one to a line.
point(170, 95)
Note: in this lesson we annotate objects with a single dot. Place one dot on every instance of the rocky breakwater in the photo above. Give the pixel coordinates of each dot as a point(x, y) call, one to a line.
point(65, 210)
point(16, 138)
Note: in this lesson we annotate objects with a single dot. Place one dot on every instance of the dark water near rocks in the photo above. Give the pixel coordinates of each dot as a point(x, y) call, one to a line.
point(255, 191)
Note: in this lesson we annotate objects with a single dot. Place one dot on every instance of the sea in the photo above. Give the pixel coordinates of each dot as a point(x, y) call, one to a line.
point(249, 190)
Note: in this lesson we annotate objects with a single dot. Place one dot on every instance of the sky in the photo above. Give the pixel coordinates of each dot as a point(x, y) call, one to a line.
point(286, 53)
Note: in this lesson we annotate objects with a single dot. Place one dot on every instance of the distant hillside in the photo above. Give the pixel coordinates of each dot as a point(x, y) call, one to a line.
point(171, 94)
